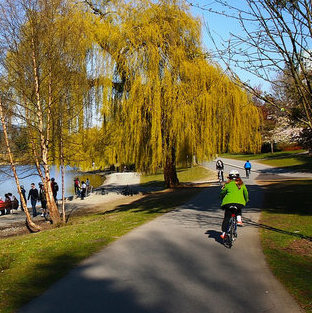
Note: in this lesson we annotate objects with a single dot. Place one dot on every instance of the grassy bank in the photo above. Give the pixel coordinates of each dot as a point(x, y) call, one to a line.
point(185, 175)
point(287, 237)
point(29, 264)
point(292, 160)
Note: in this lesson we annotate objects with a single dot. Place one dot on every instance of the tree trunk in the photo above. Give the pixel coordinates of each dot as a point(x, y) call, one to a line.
point(53, 209)
point(29, 223)
point(170, 171)
point(63, 176)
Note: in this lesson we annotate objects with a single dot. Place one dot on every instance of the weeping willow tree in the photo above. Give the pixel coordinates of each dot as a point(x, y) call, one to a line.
point(167, 101)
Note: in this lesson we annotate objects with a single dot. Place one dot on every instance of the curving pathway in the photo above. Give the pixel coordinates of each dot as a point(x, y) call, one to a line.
point(176, 264)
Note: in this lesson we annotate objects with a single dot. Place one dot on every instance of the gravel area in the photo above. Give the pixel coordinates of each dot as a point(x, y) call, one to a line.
point(14, 223)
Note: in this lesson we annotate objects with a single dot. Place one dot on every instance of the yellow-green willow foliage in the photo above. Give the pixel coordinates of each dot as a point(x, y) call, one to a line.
point(86, 148)
point(169, 104)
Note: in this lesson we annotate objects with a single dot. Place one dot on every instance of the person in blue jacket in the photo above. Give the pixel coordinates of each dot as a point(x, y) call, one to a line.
point(247, 167)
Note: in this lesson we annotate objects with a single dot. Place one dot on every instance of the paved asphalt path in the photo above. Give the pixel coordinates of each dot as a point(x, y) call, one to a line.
point(176, 264)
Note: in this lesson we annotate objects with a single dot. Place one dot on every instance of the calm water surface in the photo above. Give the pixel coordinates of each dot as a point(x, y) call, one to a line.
point(28, 174)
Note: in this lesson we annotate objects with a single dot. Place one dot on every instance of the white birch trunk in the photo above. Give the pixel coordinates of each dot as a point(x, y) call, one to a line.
point(30, 224)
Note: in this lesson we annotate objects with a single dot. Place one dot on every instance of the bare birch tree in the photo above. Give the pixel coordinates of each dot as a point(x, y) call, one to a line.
point(45, 70)
point(30, 224)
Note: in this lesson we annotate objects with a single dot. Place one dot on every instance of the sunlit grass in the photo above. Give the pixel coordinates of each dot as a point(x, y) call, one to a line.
point(185, 175)
point(29, 264)
point(293, 160)
point(283, 162)
point(288, 244)
point(259, 156)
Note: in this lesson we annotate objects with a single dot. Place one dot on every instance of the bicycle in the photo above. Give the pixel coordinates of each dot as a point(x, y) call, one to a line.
point(247, 172)
point(231, 233)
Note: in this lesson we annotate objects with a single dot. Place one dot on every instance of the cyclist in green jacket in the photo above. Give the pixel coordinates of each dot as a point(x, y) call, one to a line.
point(234, 192)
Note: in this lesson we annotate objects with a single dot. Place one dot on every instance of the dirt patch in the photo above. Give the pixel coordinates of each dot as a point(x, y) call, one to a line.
point(301, 247)
point(19, 228)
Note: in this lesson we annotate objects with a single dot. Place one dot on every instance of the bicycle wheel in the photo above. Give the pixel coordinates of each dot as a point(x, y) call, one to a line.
point(229, 237)
point(232, 231)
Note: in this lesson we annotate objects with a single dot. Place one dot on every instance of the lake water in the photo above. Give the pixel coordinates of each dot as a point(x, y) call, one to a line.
point(28, 174)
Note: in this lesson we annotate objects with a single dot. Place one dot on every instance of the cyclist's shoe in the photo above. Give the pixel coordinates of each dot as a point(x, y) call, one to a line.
point(223, 235)
point(235, 235)
point(240, 223)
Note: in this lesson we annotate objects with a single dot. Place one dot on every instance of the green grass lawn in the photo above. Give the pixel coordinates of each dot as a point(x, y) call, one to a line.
point(287, 237)
point(185, 175)
point(30, 263)
point(269, 155)
point(293, 160)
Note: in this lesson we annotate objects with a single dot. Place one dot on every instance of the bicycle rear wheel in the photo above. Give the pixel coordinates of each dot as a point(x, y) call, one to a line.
point(232, 232)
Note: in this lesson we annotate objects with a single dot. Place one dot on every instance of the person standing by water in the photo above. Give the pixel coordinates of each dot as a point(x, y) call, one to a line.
point(55, 188)
point(83, 190)
point(7, 201)
point(23, 191)
point(14, 202)
point(77, 186)
point(247, 167)
point(88, 186)
point(2, 207)
point(43, 200)
point(33, 195)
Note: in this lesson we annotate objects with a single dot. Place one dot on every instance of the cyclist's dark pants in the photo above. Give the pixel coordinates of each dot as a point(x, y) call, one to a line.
point(228, 211)
point(247, 171)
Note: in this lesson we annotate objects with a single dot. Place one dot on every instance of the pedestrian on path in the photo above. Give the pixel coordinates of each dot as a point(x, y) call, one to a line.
point(23, 191)
point(55, 188)
point(247, 167)
point(33, 195)
point(220, 169)
point(43, 200)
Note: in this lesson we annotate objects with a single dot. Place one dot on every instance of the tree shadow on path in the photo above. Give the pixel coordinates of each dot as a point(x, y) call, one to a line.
point(263, 226)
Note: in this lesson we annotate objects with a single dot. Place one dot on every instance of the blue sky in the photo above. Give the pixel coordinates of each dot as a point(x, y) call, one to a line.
point(221, 27)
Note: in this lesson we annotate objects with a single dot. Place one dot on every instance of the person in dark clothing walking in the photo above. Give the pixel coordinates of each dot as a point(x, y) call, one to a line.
point(43, 200)
point(220, 168)
point(33, 195)
point(23, 191)
point(83, 190)
point(77, 186)
point(55, 188)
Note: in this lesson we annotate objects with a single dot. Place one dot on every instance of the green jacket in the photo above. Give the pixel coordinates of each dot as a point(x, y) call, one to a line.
point(232, 194)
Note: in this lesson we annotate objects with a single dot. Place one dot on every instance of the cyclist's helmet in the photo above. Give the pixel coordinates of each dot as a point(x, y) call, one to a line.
point(233, 174)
